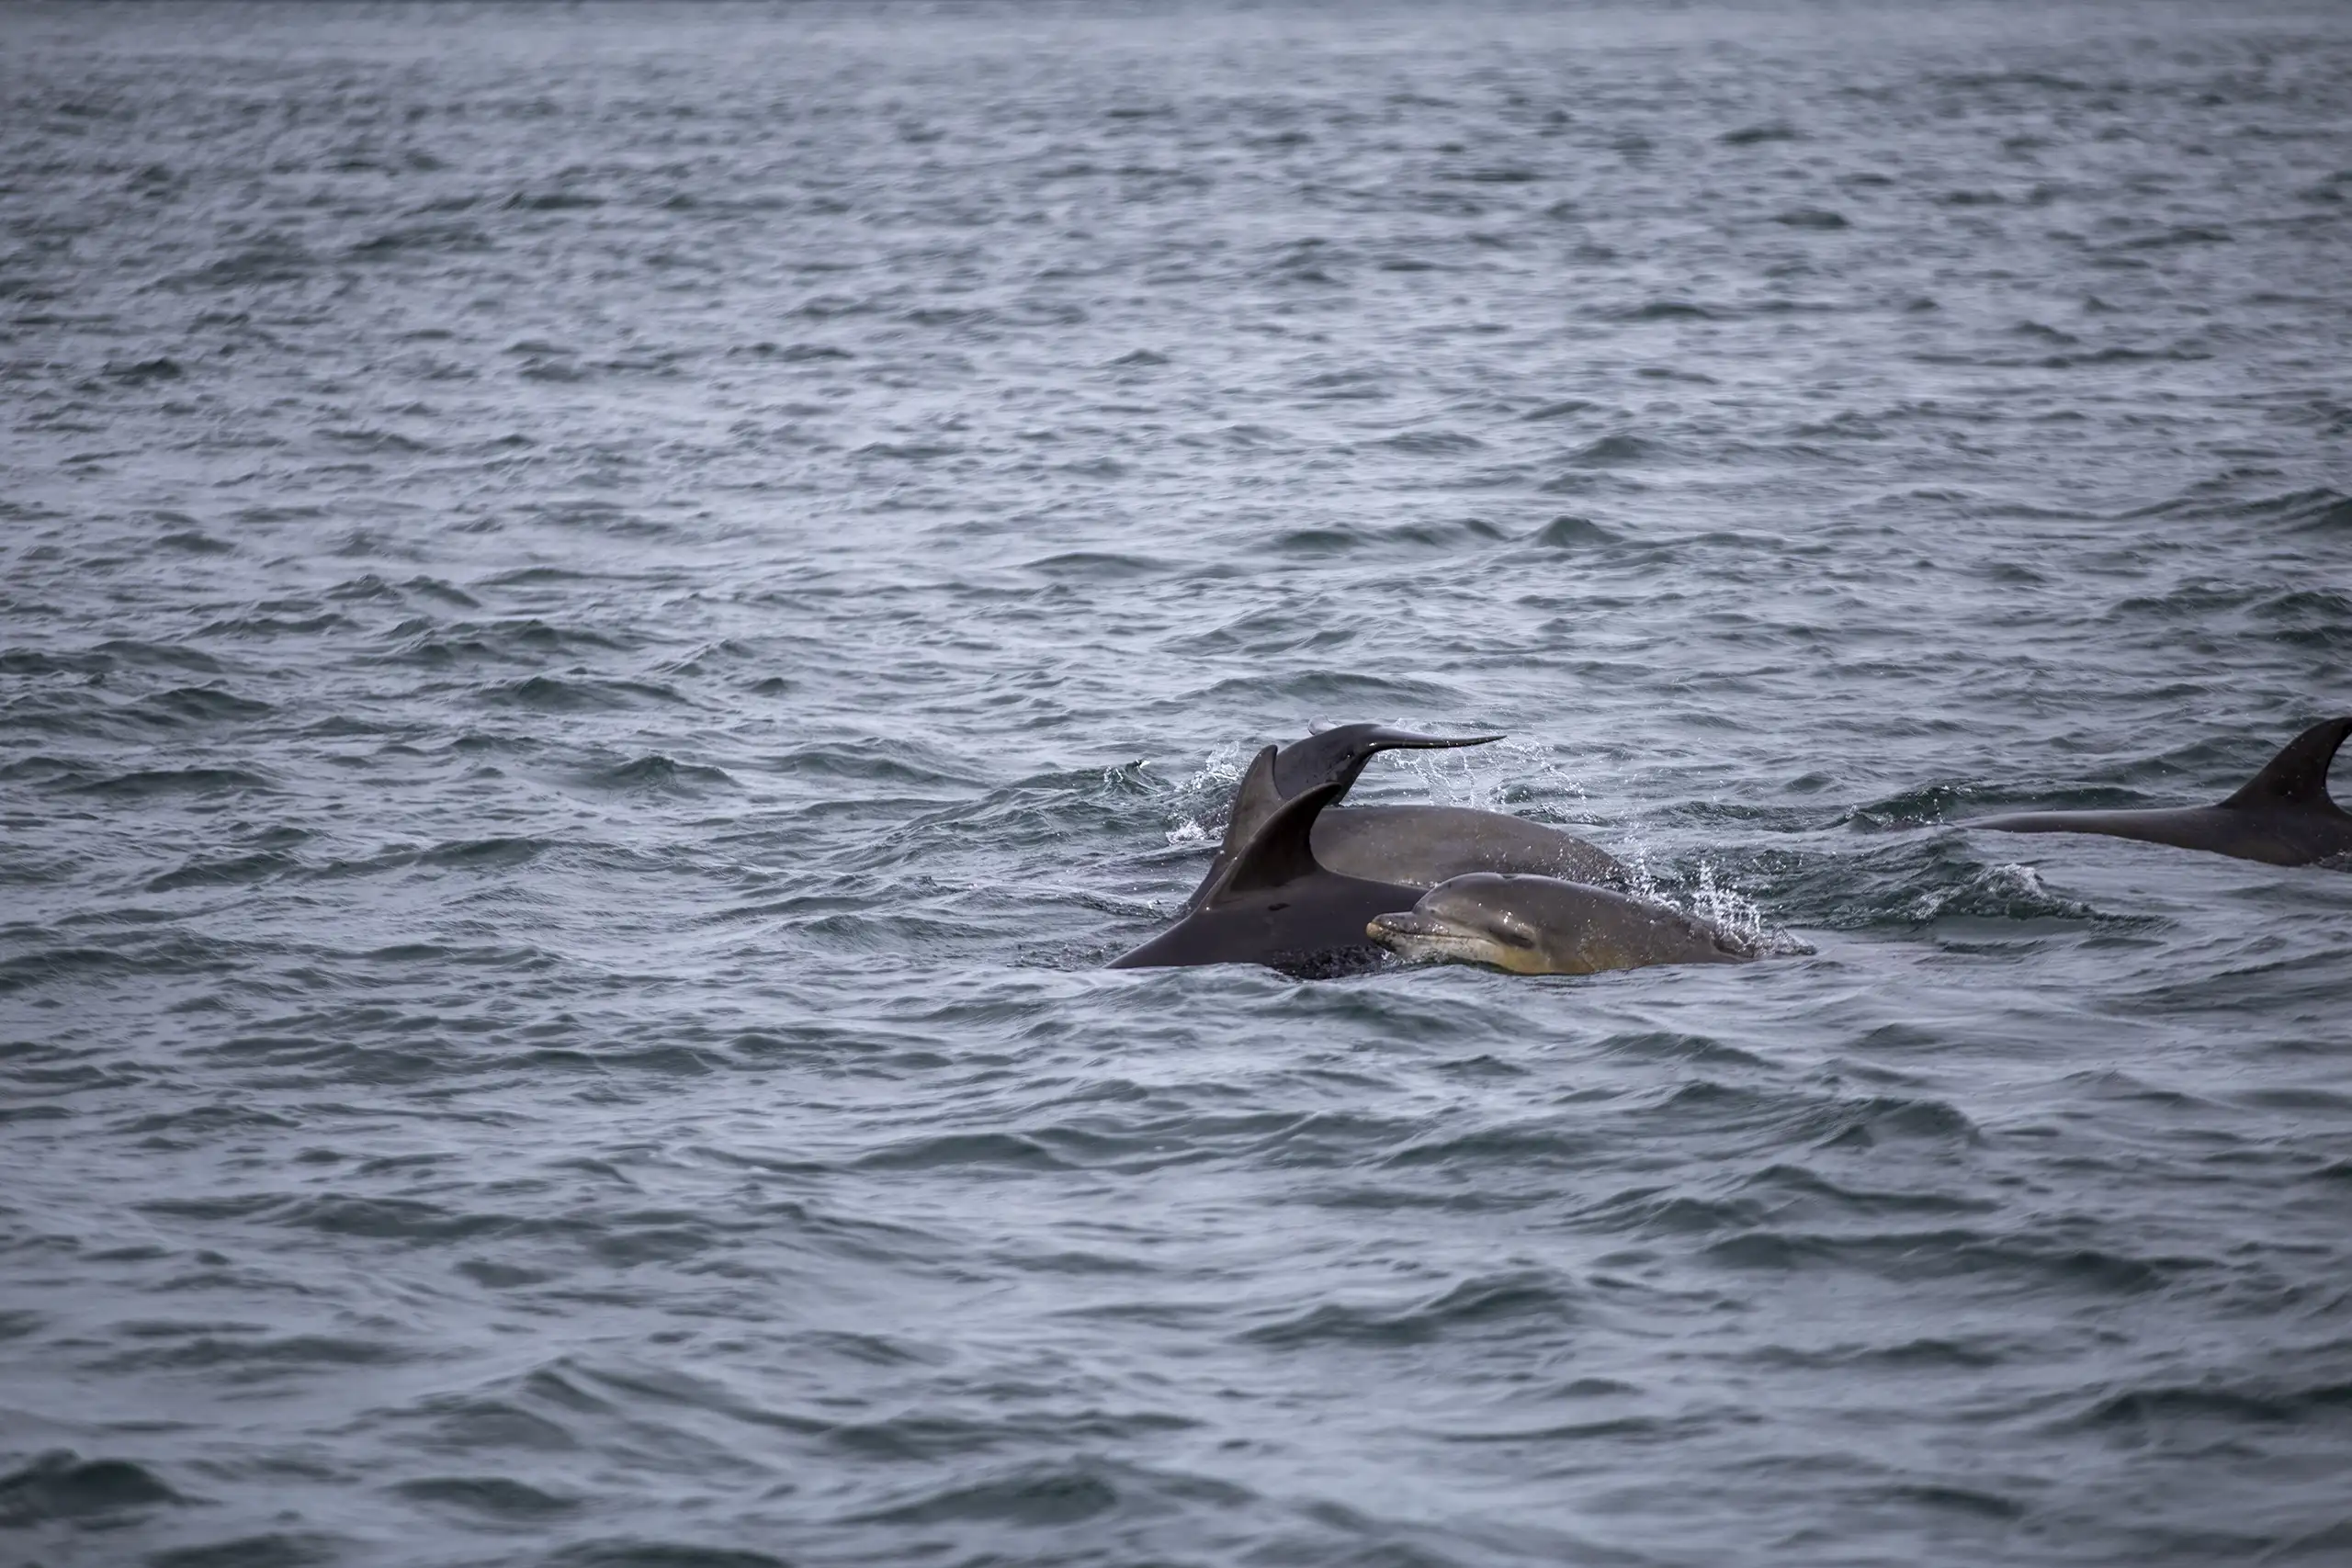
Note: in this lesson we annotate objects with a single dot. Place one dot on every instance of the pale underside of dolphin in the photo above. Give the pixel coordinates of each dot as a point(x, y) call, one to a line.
point(2283, 816)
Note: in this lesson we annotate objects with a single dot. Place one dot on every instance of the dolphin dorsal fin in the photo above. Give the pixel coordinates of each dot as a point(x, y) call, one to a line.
point(2297, 776)
point(1280, 851)
point(1256, 799)
point(1338, 754)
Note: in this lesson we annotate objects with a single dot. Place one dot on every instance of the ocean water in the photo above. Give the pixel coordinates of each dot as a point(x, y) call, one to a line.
point(607, 614)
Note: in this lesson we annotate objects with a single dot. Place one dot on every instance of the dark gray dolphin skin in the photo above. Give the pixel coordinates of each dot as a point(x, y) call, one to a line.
point(1415, 846)
point(1541, 925)
point(1421, 846)
point(1267, 900)
point(2283, 816)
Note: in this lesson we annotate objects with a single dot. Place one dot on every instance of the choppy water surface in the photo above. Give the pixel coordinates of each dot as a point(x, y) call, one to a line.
point(608, 614)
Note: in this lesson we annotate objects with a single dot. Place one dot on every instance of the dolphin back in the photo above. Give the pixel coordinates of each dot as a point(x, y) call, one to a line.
point(2282, 815)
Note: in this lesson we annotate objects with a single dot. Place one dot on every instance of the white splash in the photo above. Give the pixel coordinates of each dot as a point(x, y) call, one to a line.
point(1204, 798)
point(1727, 907)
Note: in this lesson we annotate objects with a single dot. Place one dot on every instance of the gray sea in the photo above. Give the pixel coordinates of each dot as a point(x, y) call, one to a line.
point(608, 612)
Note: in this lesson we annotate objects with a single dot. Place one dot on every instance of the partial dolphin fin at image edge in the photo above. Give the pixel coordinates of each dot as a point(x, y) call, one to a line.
point(2297, 776)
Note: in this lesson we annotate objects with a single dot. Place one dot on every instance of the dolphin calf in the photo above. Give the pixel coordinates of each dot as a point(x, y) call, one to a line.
point(1267, 901)
point(2283, 816)
point(1414, 846)
point(1543, 925)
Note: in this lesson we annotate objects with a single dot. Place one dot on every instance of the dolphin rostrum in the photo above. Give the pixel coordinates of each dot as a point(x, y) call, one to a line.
point(2283, 816)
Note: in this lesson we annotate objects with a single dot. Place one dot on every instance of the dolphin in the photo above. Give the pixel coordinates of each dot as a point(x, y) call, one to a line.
point(2283, 816)
point(1544, 925)
point(1415, 846)
point(1267, 901)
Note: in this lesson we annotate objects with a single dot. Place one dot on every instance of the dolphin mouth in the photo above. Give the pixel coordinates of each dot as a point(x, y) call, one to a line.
point(1411, 934)
point(1405, 923)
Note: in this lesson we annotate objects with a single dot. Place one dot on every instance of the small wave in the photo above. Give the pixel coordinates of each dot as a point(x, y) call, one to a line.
point(2178, 1405)
point(244, 1359)
point(179, 955)
point(148, 783)
point(1495, 175)
point(1666, 311)
point(1503, 1298)
point(2010, 893)
point(128, 651)
point(271, 261)
point(145, 371)
point(1034, 1495)
point(553, 201)
point(646, 1551)
point(1460, 534)
point(1095, 566)
point(60, 1485)
point(184, 705)
point(545, 694)
point(1612, 451)
point(242, 871)
point(1886, 1119)
point(1434, 443)
point(483, 853)
point(494, 1497)
point(425, 239)
point(1536, 1145)
point(1955, 1253)
point(1569, 532)
point(356, 439)
point(32, 661)
point(963, 1149)
point(272, 1549)
point(1314, 543)
point(660, 773)
point(266, 627)
point(875, 760)
point(797, 353)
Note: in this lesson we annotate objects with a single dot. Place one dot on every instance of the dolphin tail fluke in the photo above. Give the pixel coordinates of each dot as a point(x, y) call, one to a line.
point(1338, 755)
point(2297, 776)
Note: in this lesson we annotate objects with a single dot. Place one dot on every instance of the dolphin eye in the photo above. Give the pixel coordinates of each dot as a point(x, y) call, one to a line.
point(1514, 931)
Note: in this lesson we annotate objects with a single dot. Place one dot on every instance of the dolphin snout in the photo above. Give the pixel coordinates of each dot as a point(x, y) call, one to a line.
point(1405, 923)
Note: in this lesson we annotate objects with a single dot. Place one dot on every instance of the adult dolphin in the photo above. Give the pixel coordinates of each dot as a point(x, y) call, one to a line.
point(2283, 816)
point(1541, 925)
point(1413, 846)
point(1267, 900)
